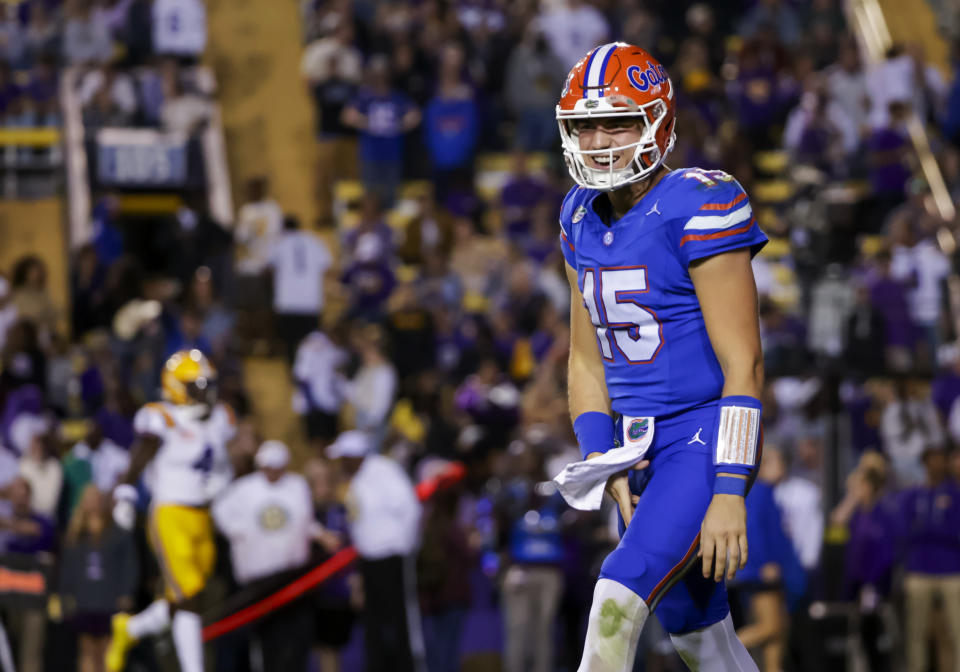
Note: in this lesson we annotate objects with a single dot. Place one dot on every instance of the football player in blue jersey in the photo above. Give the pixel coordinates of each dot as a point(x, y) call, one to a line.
point(665, 366)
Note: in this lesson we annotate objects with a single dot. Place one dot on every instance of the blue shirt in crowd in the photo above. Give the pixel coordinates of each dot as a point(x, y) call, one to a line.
point(451, 126)
point(382, 140)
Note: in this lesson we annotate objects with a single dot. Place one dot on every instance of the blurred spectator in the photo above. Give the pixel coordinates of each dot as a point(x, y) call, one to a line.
point(180, 28)
point(334, 601)
point(819, 133)
point(784, 339)
point(368, 252)
point(918, 262)
point(445, 562)
point(521, 194)
point(86, 35)
point(573, 27)
point(118, 85)
point(534, 75)
point(771, 579)
point(30, 294)
point(300, 261)
point(267, 517)
point(96, 461)
point(319, 395)
point(98, 577)
point(333, 68)
point(889, 296)
point(869, 514)
point(42, 90)
point(259, 222)
point(42, 35)
point(182, 110)
point(846, 85)
point(800, 502)
point(188, 335)
point(909, 427)
point(451, 126)
point(831, 303)
point(371, 391)
point(136, 33)
point(87, 284)
point(384, 527)
point(8, 310)
point(40, 466)
point(409, 327)
point(371, 240)
point(759, 95)
point(332, 58)
point(382, 115)
point(865, 339)
point(888, 151)
point(931, 518)
point(25, 532)
point(776, 15)
point(533, 581)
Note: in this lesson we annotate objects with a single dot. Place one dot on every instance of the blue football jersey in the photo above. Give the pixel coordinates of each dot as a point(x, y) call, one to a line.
point(637, 289)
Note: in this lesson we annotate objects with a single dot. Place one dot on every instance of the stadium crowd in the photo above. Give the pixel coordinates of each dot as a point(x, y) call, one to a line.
point(437, 321)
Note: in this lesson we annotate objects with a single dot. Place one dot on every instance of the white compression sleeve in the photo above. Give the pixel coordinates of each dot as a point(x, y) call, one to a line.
point(714, 649)
point(616, 619)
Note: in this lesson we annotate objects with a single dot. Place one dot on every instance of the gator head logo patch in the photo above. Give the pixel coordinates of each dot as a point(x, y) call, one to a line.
point(579, 214)
point(637, 429)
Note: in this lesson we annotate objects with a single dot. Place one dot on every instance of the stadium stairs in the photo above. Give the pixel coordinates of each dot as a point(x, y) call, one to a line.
point(268, 124)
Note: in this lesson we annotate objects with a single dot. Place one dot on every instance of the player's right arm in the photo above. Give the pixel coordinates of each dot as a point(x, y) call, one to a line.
point(588, 397)
point(148, 423)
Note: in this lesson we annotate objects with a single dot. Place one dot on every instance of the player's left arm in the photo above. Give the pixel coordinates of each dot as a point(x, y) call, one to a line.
point(728, 300)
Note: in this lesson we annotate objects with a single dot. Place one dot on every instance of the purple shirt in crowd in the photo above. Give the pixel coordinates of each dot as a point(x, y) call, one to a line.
point(887, 176)
point(889, 297)
point(931, 528)
point(945, 390)
point(870, 549)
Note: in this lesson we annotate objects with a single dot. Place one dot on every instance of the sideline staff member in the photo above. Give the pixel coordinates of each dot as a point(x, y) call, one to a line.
point(384, 515)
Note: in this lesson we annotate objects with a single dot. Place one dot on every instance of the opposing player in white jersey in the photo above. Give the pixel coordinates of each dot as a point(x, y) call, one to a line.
point(182, 453)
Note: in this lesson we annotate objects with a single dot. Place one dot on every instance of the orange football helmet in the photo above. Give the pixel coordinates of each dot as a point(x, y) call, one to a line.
point(612, 80)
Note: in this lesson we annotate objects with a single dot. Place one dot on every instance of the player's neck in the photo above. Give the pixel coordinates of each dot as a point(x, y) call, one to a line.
point(625, 198)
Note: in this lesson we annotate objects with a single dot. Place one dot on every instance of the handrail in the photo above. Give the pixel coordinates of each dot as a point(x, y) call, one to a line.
point(872, 32)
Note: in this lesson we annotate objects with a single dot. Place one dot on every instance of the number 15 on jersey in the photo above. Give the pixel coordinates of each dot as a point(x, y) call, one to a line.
point(613, 298)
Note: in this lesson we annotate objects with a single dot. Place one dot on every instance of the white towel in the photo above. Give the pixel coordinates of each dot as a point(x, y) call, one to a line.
point(582, 483)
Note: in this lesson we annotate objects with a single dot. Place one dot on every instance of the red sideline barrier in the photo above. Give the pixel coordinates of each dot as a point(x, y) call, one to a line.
point(340, 561)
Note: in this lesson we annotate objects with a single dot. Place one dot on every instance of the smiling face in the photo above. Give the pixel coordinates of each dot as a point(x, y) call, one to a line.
point(602, 136)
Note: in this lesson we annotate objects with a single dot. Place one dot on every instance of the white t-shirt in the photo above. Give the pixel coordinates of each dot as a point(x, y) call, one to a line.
point(383, 509)
point(258, 225)
point(931, 268)
point(46, 481)
point(269, 525)
point(371, 392)
point(179, 27)
point(299, 260)
point(573, 32)
point(799, 499)
point(316, 364)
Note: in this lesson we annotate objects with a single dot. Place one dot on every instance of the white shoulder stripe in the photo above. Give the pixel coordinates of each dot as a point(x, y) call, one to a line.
point(702, 222)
